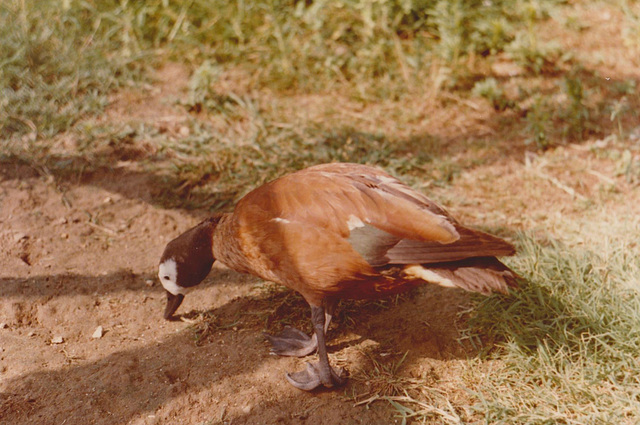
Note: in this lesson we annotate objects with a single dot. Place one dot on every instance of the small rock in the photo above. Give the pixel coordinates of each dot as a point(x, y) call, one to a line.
point(32, 333)
point(107, 200)
point(98, 333)
point(149, 282)
point(88, 232)
point(64, 236)
point(57, 340)
point(506, 69)
point(3, 325)
point(20, 236)
point(184, 131)
point(62, 220)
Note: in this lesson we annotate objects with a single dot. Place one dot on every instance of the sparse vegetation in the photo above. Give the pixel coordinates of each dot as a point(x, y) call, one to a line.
point(539, 123)
point(272, 86)
point(490, 90)
point(567, 342)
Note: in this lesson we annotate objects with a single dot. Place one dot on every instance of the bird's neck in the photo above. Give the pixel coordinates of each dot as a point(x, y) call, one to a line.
point(226, 244)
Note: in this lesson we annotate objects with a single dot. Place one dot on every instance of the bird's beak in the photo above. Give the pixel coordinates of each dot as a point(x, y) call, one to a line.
point(173, 302)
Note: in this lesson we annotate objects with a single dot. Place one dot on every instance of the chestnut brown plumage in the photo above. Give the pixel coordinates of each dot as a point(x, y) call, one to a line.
point(336, 231)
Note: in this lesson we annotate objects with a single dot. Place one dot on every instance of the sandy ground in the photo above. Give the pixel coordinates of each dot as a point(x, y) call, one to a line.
point(80, 254)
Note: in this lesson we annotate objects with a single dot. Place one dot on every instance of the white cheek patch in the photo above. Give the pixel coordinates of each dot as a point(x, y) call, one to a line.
point(354, 222)
point(168, 274)
point(420, 272)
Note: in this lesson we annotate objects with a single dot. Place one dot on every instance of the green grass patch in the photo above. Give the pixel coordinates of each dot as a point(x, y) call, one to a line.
point(568, 341)
point(563, 349)
point(226, 168)
point(61, 59)
point(59, 62)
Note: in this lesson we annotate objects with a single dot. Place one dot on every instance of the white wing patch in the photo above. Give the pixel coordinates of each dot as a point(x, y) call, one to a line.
point(354, 222)
point(420, 272)
point(168, 274)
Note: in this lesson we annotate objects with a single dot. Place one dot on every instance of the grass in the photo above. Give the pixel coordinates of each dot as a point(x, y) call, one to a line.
point(58, 66)
point(436, 92)
point(569, 340)
point(562, 349)
point(367, 52)
point(62, 60)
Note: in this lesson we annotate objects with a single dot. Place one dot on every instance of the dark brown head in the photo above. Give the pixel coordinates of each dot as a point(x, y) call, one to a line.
point(186, 261)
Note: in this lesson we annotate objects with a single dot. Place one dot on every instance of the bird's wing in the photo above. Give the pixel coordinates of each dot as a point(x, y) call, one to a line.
point(379, 247)
point(472, 243)
point(365, 206)
point(333, 223)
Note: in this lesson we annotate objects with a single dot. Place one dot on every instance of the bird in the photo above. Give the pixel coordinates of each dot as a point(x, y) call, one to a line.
point(331, 232)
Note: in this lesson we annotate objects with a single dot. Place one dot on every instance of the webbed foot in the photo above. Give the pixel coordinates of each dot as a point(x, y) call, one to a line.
point(314, 376)
point(292, 342)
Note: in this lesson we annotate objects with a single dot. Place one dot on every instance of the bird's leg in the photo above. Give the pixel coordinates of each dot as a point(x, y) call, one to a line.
point(321, 372)
point(293, 342)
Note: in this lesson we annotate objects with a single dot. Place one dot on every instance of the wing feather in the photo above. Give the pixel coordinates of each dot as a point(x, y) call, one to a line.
point(483, 274)
point(382, 219)
point(472, 243)
point(328, 195)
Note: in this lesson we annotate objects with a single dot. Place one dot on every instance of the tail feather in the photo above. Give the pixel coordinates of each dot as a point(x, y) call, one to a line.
point(483, 274)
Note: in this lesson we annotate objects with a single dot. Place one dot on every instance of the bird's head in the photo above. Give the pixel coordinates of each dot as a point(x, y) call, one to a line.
point(185, 262)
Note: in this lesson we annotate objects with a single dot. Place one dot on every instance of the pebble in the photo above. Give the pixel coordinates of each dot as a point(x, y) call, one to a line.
point(3, 325)
point(64, 236)
point(98, 333)
point(20, 236)
point(57, 340)
point(184, 131)
point(149, 282)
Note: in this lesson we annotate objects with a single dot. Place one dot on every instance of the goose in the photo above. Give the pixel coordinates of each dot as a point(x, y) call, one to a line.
point(331, 232)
